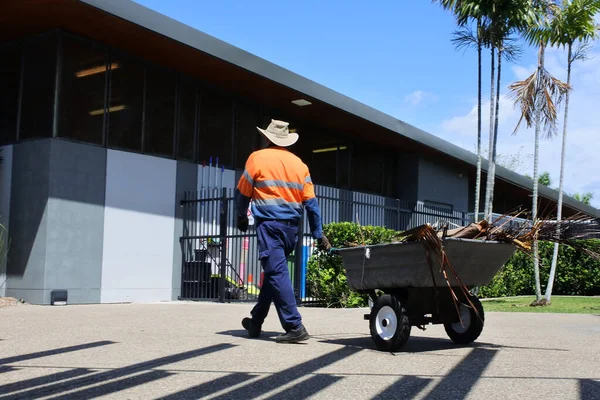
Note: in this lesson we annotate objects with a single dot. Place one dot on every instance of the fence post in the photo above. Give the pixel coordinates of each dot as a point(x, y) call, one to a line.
point(223, 243)
point(298, 259)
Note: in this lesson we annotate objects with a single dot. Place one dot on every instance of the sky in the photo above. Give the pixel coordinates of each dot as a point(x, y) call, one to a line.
point(398, 57)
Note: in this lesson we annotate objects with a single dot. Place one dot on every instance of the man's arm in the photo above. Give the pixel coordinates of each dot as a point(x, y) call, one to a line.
point(312, 208)
point(245, 188)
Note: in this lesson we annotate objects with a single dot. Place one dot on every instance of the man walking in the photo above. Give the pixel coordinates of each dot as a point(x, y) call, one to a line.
point(280, 187)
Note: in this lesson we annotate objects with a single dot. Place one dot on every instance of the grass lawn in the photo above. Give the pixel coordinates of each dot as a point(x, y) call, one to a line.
point(560, 304)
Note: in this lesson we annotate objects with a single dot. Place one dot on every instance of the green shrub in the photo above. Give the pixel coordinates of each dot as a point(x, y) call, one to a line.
point(326, 279)
point(576, 273)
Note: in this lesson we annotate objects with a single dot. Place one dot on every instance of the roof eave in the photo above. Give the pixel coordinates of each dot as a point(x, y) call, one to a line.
point(173, 29)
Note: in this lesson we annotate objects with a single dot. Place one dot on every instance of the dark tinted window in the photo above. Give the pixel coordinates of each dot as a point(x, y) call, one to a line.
point(159, 126)
point(83, 84)
point(367, 169)
point(125, 104)
point(344, 163)
point(38, 87)
point(187, 121)
point(390, 175)
point(216, 132)
point(247, 138)
point(324, 163)
point(10, 73)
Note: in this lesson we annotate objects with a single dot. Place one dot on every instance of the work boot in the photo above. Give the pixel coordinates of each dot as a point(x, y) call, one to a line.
point(252, 327)
point(293, 336)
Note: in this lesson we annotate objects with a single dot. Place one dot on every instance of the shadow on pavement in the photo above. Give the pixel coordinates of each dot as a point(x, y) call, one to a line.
point(461, 379)
point(31, 356)
point(589, 389)
point(407, 387)
point(242, 333)
point(43, 380)
point(262, 386)
point(418, 344)
point(134, 375)
point(208, 388)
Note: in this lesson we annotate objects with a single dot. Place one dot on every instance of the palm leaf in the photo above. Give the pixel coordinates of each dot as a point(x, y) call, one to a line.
point(464, 38)
point(542, 91)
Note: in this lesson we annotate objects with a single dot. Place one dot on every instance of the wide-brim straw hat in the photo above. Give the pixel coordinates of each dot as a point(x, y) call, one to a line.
point(279, 133)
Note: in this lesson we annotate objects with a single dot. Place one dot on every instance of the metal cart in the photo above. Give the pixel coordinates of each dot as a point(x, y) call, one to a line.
point(411, 293)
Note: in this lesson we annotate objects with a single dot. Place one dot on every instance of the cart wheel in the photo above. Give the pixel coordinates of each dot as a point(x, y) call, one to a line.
point(390, 327)
point(473, 325)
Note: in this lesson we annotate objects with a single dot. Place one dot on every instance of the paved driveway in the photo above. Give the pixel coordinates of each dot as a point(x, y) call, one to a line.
point(198, 350)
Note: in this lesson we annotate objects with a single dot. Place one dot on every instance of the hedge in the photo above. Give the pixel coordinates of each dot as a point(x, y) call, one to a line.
point(576, 272)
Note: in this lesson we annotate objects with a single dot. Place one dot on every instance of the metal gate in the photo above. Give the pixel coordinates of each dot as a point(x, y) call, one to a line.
point(220, 263)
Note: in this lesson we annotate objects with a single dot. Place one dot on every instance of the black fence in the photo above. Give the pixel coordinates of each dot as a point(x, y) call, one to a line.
point(221, 263)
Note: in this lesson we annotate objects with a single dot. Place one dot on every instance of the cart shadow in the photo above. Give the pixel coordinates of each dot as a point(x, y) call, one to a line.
point(419, 344)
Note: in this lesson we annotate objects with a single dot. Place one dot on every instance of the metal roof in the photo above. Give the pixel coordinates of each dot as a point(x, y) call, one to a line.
point(168, 27)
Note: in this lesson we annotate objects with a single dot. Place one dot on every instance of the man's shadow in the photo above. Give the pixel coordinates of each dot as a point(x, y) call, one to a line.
point(266, 336)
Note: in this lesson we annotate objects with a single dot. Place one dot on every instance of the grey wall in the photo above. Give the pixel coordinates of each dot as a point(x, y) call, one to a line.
point(187, 179)
point(5, 188)
point(137, 260)
point(28, 220)
point(443, 184)
point(57, 221)
point(75, 221)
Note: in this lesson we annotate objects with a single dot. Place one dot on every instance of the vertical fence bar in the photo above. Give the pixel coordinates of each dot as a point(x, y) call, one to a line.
point(223, 243)
point(183, 245)
point(298, 260)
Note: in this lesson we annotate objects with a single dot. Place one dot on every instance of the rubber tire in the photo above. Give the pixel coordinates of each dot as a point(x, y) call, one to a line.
point(475, 327)
point(402, 332)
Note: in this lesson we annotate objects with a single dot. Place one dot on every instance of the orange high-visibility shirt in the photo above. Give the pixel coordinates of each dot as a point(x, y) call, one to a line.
point(280, 186)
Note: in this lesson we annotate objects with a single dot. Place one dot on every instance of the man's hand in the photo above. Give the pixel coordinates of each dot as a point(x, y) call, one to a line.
point(323, 244)
point(242, 223)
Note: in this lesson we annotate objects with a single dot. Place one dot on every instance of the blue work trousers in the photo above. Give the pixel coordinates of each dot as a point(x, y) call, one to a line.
point(276, 241)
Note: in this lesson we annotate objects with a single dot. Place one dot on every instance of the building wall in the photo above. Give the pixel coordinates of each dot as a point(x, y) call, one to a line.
point(443, 184)
point(26, 268)
point(75, 215)
point(57, 221)
point(137, 264)
point(5, 190)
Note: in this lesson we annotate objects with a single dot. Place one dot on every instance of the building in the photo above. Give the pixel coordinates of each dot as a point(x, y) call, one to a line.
point(108, 112)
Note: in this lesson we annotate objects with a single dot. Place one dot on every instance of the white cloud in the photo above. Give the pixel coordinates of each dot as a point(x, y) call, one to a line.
point(581, 173)
point(419, 97)
point(466, 125)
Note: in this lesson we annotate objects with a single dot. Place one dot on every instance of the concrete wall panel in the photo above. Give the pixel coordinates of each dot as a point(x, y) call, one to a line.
point(28, 220)
point(137, 264)
point(76, 220)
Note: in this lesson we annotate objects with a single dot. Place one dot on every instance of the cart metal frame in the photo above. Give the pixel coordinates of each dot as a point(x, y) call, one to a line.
point(405, 291)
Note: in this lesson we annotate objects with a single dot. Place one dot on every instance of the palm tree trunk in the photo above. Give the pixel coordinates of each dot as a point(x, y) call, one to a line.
point(492, 173)
point(478, 179)
point(560, 184)
point(491, 143)
point(534, 206)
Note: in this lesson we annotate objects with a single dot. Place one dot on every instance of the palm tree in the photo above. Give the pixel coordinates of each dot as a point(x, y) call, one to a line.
point(538, 96)
point(506, 17)
point(464, 11)
point(574, 23)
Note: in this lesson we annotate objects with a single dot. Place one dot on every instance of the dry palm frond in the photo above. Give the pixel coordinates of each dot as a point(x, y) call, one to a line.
point(539, 91)
point(434, 250)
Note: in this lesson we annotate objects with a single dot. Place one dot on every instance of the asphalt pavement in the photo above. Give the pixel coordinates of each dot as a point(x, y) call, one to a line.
point(200, 351)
